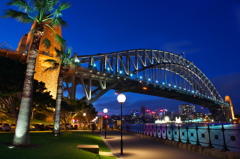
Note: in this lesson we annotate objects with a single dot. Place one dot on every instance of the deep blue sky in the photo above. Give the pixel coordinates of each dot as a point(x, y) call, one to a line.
point(208, 31)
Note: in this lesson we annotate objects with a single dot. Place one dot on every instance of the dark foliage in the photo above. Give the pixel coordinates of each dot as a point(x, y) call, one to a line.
point(12, 74)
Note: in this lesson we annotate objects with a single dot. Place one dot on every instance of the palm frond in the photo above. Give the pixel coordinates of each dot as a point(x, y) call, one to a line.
point(64, 6)
point(69, 50)
point(58, 22)
point(44, 7)
point(59, 52)
point(50, 61)
point(20, 16)
point(56, 14)
point(21, 4)
point(51, 4)
point(55, 64)
point(39, 5)
point(47, 43)
point(60, 40)
point(50, 69)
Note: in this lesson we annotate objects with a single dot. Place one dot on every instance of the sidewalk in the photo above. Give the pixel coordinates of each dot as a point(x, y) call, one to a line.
point(135, 147)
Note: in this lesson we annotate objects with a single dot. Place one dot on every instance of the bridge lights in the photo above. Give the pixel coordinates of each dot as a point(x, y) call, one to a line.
point(156, 81)
point(149, 79)
point(76, 60)
point(163, 83)
point(174, 86)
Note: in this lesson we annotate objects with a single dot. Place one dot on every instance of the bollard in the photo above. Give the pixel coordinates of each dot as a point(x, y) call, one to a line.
point(198, 144)
point(179, 136)
point(209, 138)
point(224, 140)
point(188, 142)
point(172, 134)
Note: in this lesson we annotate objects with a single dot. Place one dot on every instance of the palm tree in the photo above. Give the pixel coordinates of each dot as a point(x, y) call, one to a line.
point(45, 14)
point(65, 60)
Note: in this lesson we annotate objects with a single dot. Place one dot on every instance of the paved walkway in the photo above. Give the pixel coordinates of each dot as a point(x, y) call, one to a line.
point(135, 147)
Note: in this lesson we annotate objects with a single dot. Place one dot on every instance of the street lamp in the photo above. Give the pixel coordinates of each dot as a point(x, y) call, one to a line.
point(105, 110)
point(121, 99)
point(84, 114)
point(100, 122)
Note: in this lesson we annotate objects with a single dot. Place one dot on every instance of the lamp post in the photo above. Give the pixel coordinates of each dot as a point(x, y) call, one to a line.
point(105, 110)
point(100, 124)
point(84, 114)
point(121, 99)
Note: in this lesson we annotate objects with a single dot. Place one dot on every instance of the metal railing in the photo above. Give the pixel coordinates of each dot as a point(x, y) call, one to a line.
point(224, 137)
point(6, 49)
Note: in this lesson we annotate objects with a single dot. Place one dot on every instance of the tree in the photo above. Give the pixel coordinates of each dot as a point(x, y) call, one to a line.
point(42, 100)
point(10, 105)
point(44, 14)
point(65, 60)
point(70, 110)
point(11, 76)
point(90, 111)
point(11, 79)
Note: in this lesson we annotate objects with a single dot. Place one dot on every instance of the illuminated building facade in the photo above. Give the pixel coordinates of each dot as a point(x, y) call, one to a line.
point(49, 78)
point(186, 109)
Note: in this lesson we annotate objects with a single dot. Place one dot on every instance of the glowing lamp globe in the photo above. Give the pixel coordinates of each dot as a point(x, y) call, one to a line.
point(105, 110)
point(121, 98)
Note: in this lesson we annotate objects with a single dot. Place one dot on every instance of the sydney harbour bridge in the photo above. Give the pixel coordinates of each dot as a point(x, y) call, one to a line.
point(144, 71)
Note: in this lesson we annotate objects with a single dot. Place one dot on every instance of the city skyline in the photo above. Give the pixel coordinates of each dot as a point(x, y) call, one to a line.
point(208, 33)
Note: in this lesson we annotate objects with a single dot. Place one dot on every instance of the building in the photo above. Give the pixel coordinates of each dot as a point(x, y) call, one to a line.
point(186, 109)
point(199, 115)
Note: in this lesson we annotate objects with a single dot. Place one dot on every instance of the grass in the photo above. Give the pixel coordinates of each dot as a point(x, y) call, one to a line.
point(47, 146)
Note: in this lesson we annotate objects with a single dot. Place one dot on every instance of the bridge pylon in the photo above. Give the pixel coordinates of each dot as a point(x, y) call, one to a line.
point(231, 115)
point(49, 78)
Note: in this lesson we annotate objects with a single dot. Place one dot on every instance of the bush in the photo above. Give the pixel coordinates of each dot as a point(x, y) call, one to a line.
point(40, 116)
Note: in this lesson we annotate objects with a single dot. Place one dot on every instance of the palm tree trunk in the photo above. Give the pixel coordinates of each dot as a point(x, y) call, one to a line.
point(21, 136)
point(56, 129)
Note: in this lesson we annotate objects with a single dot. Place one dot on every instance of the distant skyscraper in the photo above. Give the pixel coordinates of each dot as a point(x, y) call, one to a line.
point(186, 109)
point(143, 110)
point(134, 113)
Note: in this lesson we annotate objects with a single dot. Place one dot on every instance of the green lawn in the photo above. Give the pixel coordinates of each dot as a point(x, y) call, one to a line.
point(47, 146)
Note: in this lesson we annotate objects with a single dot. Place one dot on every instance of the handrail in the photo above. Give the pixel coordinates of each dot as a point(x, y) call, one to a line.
point(218, 137)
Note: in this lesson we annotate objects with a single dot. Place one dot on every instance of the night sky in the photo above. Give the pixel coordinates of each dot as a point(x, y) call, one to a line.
point(208, 31)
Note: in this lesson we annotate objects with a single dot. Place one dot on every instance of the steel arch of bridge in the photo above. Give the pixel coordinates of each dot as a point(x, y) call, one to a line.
point(145, 71)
